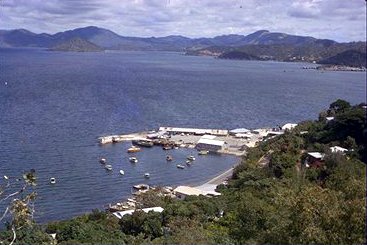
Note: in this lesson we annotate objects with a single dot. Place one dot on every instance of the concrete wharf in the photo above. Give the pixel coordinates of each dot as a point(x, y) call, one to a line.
point(234, 144)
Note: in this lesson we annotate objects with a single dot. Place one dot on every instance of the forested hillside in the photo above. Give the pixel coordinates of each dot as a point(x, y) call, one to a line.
point(274, 197)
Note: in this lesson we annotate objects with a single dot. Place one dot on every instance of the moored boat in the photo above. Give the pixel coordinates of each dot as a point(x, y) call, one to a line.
point(143, 142)
point(167, 147)
point(203, 152)
point(180, 166)
point(108, 167)
point(52, 181)
point(122, 172)
point(191, 158)
point(169, 158)
point(133, 159)
point(140, 188)
point(133, 149)
point(147, 175)
point(102, 160)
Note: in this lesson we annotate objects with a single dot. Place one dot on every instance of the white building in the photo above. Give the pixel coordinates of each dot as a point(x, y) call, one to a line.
point(246, 135)
point(239, 131)
point(317, 155)
point(208, 189)
point(196, 131)
point(131, 211)
point(208, 136)
point(289, 126)
point(182, 192)
point(339, 149)
point(209, 144)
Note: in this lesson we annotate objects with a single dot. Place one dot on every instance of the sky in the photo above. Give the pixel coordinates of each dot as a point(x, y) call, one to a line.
point(340, 20)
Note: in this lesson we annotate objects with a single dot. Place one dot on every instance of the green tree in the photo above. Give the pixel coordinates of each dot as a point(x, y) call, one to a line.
point(19, 204)
point(339, 106)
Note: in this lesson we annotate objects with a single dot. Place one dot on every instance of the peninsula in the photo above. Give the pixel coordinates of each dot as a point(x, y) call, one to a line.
point(77, 45)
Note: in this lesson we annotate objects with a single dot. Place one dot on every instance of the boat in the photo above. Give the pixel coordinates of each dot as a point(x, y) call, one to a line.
point(143, 142)
point(133, 159)
point(147, 175)
point(188, 163)
point(191, 158)
point(133, 149)
point(141, 187)
point(203, 152)
point(167, 147)
point(180, 166)
point(102, 160)
point(118, 207)
point(52, 181)
point(169, 158)
point(108, 167)
point(122, 172)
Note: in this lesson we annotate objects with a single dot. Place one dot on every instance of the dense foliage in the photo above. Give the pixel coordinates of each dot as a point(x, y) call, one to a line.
point(272, 198)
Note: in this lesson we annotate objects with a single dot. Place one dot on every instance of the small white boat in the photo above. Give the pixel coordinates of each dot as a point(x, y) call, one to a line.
point(133, 159)
point(180, 166)
point(108, 167)
point(169, 158)
point(147, 175)
point(188, 163)
point(102, 160)
point(52, 181)
point(203, 152)
point(122, 172)
point(191, 158)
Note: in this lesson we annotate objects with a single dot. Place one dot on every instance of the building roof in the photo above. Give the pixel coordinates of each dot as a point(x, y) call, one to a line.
point(239, 131)
point(247, 135)
point(289, 126)
point(209, 189)
point(208, 136)
point(131, 211)
point(195, 130)
point(316, 155)
point(211, 142)
point(189, 191)
point(338, 149)
point(275, 132)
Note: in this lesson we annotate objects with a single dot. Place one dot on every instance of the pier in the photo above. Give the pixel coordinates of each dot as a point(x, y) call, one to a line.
point(234, 142)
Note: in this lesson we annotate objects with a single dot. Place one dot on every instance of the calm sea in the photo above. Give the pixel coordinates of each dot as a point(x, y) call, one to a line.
point(54, 105)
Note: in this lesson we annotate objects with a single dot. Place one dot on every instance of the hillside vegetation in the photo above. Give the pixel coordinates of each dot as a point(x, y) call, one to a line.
point(349, 54)
point(77, 45)
point(280, 202)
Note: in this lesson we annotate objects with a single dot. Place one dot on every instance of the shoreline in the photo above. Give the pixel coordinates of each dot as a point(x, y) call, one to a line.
point(223, 176)
point(217, 180)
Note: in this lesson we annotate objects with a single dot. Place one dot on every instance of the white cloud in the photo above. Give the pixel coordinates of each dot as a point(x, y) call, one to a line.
point(333, 19)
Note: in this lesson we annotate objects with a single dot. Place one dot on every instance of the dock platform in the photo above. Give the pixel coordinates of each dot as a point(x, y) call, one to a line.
point(170, 137)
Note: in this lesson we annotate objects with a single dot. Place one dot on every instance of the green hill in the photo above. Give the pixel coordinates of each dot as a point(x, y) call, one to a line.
point(77, 45)
point(283, 200)
point(347, 58)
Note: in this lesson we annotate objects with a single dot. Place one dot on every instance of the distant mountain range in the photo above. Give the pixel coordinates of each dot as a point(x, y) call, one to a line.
point(262, 45)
